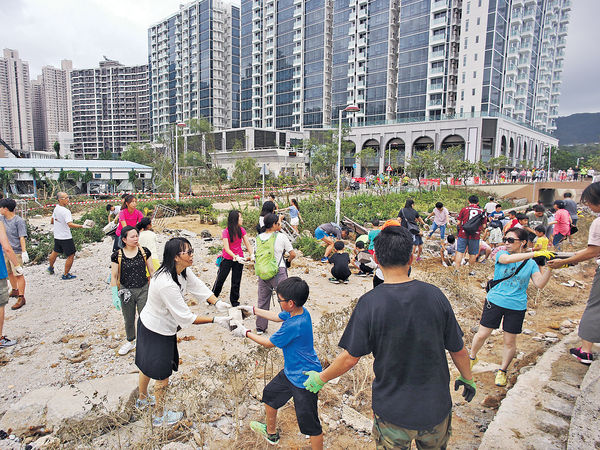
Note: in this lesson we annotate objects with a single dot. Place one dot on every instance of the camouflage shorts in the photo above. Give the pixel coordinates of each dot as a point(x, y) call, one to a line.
point(390, 436)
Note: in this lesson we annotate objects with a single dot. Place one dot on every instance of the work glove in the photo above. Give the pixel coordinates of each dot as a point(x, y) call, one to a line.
point(222, 306)
point(115, 297)
point(252, 257)
point(541, 256)
point(25, 257)
point(313, 383)
point(246, 310)
point(239, 259)
point(222, 321)
point(19, 270)
point(240, 330)
point(469, 390)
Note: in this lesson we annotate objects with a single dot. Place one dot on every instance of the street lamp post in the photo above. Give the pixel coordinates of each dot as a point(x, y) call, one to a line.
point(176, 184)
point(349, 108)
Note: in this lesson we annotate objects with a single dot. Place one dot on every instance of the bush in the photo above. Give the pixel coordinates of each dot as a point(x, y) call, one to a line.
point(249, 215)
point(310, 247)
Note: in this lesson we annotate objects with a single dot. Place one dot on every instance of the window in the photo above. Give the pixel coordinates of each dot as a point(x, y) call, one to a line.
point(461, 109)
point(465, 60)
point(479, 4)
point(464, 76)
point(477, 39)
point(479, 21)
point(467, 25)
point(472, 109)
point(473, 91)
point(462, 95)
point(475, 57)
point(474, 74)
point(466, 43)
point(468, 7)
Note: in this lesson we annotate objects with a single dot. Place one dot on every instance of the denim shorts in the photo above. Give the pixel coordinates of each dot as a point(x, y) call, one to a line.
point(472, 244)
point(417, 239)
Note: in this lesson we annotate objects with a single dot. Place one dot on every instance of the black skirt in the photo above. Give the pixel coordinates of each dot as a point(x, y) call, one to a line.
point(156, 355)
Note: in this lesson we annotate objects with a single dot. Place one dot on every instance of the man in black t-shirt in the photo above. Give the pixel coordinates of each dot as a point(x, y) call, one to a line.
point(341, 264)
point(407, 325)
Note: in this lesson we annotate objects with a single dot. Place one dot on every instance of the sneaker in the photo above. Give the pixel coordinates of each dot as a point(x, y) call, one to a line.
point(418, 258)
point(582, 357)
point(68, 276)
point(334, 281)
point(168, 419)
point(473, 361)
point(126, 347)
point(472, 273)
point(143, 403)
point(444, 264)
point(6, 342)
point(259, 332)
point(324, 260)
point(50, 270)
point(361, 274)
point(261, 428)
point(501, 378)
point(346, 281)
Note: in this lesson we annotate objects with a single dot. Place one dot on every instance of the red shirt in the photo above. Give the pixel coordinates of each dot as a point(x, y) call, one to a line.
point(464, 215)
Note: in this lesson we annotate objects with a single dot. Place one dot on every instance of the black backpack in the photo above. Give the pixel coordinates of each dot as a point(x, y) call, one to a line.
point(471, 226)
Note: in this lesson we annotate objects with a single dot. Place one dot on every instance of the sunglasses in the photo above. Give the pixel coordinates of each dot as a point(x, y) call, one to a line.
point(189, 252)
point(510, 240)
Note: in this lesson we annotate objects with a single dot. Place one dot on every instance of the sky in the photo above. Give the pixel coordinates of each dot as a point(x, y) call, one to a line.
point(45, 32)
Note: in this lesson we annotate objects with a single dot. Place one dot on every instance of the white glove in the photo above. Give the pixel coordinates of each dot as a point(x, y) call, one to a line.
point(239, 259)
point(247, 309)
point(19, 270)
point(240, 330)
point(252, 258)
point(25, 257)
point(222, 321)
point(222, 306)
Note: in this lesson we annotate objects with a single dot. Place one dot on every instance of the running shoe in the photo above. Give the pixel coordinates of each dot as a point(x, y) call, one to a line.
point(582, 357)
point(501, 378)
point(6, 342)
point(334, 281)
point(473, 361)
point(261, 428)
point(361, 274)
point(259, 332)
point(418, 258)
point(50, 270)
point(346, 281)
point(169, 418)
point(126, 347)
point(68, 276)
point(324, 260)
point(143, 403)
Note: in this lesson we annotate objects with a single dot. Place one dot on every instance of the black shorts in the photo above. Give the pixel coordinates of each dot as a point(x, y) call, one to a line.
point(66, 246)
point(493, 314)
point(280, 390)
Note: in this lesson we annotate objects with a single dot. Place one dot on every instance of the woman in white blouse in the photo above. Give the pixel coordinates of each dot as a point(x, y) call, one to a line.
point(164, 314)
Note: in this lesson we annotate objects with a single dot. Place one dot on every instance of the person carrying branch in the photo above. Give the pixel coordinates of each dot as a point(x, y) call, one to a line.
point(407, 325)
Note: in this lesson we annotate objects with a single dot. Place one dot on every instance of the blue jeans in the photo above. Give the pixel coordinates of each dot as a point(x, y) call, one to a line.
point(557, 239)
point(442, 230)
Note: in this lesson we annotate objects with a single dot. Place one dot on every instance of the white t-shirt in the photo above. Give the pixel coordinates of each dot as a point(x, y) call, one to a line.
point(148, 239)
point(594, 234)
point(282, 245)
point(490, 207)
point(166, 308)
point(62, 216)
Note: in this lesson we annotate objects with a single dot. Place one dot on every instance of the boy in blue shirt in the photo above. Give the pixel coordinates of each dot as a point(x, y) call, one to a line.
point(295, 338)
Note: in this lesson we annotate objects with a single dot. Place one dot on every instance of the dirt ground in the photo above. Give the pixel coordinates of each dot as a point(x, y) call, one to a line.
point(69, 331)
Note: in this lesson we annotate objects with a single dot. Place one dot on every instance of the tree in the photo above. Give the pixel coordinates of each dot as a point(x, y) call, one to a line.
point(496, 163)
point(421, 163)
point(56, 147)
point(246, 173)
point(105, 155)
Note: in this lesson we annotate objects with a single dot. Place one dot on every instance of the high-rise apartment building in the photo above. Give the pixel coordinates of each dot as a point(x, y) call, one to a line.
point(51, 104)
point(16, 122)
point(111, 107)
point(194, 58)
point(408, 60)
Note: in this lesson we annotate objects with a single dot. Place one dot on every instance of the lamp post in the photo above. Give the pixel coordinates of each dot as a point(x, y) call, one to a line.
point(349, 108)
point(176, 184)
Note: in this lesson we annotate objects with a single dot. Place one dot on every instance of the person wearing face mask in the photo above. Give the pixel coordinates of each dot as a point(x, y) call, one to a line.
point(506, 301)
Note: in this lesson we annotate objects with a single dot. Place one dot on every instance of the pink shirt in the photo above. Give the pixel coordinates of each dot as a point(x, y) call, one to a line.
point(235, 246)
point(440, 217)
point(129, 218)
point(563, 222)
point(594, 237)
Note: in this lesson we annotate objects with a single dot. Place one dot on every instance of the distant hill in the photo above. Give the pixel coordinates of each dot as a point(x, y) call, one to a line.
point(582, 128)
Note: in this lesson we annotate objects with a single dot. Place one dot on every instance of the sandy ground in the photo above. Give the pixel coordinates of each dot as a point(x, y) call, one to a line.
point(69, 331)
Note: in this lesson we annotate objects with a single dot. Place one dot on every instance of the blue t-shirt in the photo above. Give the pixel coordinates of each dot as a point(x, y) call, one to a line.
point(511, 293)
point(372, 235)
point(497, 215)
point(3, 272)
point(293, 212)
point(295, 338)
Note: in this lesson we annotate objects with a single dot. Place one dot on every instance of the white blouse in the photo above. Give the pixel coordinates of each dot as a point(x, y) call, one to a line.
point(166, 308)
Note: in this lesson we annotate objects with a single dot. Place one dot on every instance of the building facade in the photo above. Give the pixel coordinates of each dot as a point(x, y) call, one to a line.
point(111, 107)
point(16, 121)
point(401, 61)
point(194, 59)
point(51, 104)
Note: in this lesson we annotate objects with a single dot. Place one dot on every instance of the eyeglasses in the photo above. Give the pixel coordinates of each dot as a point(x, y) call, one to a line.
point(510, 240)
point(189, 252)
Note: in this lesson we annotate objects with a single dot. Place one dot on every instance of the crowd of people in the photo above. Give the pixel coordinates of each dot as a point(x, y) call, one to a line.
point(398, 321)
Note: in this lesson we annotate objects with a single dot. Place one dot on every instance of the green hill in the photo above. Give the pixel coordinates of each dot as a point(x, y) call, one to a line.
point(582, 128)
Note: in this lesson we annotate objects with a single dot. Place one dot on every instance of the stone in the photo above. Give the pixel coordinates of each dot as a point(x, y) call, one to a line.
point(582, 433)
point(492, 401)
point(527, 331)
point(47, 442)
point(474, 328)
point(178, 446)
point(224, 424)
point(531, 312)
point(205, 234)
point(187, 234)
point(496, 332)
point(565, 331)
point(483, 366)
point(567, 324)
point(356, 420)
point(550, 334)
point(564, 390)
point(549, 423)
point(558, 406)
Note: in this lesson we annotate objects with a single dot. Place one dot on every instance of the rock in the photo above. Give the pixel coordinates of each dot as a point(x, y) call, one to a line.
point(564, 390)
point(187, 234)
point(549, 423)
point(531, 312)
point(527, 331)
point(242, 412)
point(552, 340)
point(538, 338)
point(565, 331)
point(224, 424)
point(554, 326)
point(492, 401)
point(496, 332)
point(356, 420)
point(47, 442)
point(177, 446)
point(474, 328)
point(205, 234)
point(569, 283)
point(567, 324)
point(550, 334)
point(306, 270)
point(558, 406)
point(582, 434)
point(483, 366)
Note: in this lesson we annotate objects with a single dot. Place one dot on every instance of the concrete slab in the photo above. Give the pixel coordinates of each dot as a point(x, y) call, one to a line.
point(584, 432)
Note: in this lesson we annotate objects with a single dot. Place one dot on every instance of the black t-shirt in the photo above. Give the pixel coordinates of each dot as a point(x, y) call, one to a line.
point(340, 263)
point(407, 327)
point(409, 214)
point(133, 270)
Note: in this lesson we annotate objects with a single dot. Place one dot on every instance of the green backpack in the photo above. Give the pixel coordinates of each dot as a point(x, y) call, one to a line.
point(265, 265)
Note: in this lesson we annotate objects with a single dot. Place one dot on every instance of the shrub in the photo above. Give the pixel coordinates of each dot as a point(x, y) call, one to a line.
point(310, 247)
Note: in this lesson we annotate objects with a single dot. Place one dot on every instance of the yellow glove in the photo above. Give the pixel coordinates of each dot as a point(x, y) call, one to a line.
point(545, 254)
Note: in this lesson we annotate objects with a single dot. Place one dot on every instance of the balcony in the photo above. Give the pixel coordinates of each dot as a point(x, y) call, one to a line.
point(438, 54)
point(439, 22)
point(435, 102)
point(436, 86)
point(362, 27)
point(439, 5)
point(436, 70)
point(562, 42)
point(438, 38)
